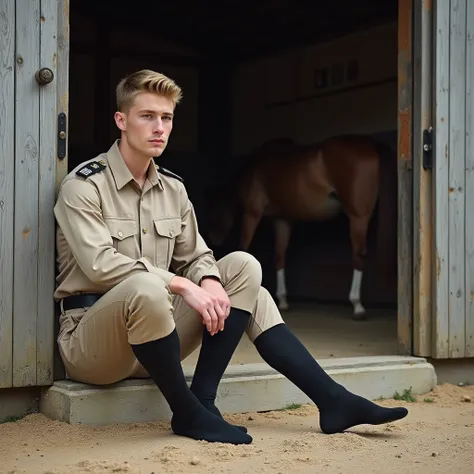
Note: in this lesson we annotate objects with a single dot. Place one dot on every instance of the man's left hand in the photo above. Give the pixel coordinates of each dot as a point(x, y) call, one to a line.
point(215, 288)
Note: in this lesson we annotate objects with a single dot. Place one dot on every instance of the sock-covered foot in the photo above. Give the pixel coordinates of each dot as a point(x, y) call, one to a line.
point(350, 410)
point(214, 356)
point(205, 426)
point(209, 405)
point(338, 408)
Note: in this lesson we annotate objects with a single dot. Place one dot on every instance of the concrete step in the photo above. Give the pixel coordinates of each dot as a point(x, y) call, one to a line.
point(244, 388)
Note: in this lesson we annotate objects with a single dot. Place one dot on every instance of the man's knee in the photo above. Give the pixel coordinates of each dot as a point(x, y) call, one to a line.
point(265, 316)
point(150, 309)
point(245, 266)
point(147, 291)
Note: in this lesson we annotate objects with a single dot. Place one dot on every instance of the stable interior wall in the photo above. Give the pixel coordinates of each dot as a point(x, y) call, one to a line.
point(347, 85)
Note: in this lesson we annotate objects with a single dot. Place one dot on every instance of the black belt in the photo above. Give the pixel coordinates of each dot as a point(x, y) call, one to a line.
point(80, 301)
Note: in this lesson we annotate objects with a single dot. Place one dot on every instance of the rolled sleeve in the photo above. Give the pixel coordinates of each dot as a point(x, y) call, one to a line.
point(79, 215)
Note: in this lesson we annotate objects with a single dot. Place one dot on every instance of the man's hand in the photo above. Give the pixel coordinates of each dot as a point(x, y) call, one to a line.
point(214, 287)
point(209, 306)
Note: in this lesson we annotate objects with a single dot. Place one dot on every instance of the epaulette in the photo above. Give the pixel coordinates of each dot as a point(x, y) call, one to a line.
point(166, 172)
point(91, 168)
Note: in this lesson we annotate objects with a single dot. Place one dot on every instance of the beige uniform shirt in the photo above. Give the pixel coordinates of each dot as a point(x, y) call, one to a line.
point(109, 228)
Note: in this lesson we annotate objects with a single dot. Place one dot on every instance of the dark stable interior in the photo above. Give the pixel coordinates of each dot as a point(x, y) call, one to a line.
point(222, 34)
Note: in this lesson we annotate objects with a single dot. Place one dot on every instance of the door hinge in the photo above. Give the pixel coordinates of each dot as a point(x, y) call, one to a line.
point(62, 142)
point(428, 148)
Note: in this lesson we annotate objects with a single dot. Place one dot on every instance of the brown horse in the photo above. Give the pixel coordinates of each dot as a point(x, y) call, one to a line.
point(290, 182)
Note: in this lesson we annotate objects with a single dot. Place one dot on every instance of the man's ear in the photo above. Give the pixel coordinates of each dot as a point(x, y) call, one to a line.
point(121, 121)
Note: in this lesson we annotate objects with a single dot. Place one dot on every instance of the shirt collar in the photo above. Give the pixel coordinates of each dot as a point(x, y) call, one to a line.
point(122, 174)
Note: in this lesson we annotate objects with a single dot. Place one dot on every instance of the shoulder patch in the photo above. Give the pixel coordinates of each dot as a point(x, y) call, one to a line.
point(91, 168)
point(166, 172)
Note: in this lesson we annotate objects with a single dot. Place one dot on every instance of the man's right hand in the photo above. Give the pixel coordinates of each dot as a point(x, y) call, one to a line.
point(200, 300)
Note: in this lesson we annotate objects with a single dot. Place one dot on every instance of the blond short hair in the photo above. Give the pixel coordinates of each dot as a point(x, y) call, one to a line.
point(146, 81)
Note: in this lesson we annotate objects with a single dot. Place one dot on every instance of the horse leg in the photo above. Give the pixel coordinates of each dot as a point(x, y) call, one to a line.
point(358, 231)
point(282, 239)
point(250, 222)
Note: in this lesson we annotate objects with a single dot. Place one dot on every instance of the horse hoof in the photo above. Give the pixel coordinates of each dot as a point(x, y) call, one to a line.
point(283, 306)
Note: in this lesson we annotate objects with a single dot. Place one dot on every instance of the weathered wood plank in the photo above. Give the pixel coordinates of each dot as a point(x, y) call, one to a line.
point(62, 83)
point(422, 188)
point(62, 106)
point(441, 176)
point(7, 176)
point(26, 193)
point(457, 107)
point(469, 293)
point(47, 179)
point(405, 179)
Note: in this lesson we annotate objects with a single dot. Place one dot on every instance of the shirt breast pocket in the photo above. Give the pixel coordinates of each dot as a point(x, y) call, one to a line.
point(124, 232)
point(167, 229)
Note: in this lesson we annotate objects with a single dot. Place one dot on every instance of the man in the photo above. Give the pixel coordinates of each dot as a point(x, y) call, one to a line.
point(136, 283)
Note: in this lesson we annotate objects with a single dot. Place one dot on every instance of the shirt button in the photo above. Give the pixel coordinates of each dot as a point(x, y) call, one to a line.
point(171, 233)
point(144, 230)
point(120, 234)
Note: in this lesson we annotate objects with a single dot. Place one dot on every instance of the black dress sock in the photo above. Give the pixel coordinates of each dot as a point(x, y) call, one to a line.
point(214, 357)
point(161, 359)
point(339, 409)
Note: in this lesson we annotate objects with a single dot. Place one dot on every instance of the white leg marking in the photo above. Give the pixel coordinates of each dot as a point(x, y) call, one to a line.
point(281, 290)
point(354, 295)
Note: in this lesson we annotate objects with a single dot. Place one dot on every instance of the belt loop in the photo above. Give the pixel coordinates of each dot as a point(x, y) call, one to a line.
point(61, 306)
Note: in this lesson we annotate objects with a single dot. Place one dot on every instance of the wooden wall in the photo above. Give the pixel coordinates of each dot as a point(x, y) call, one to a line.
point(453, 179)
point(33, 35)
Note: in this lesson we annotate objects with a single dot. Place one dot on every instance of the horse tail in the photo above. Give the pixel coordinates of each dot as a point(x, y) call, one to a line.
point(388, 216)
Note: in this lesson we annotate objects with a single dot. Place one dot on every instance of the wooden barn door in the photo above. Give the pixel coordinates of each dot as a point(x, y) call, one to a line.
point(34, 39)
point(453, 179)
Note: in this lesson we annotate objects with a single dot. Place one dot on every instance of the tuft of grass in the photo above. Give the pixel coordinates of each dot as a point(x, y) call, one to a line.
point(11, 419)
point(292, 406)
point(428, 400)
point(406, 396)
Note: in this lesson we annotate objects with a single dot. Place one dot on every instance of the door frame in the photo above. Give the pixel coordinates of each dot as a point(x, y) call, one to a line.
point(405, 177)
point(422, 177)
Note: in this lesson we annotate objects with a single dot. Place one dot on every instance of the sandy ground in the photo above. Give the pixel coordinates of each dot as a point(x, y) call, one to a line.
point(436, 437)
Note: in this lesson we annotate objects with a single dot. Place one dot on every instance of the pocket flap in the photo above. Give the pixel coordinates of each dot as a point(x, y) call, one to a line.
point(121, 228)
point(169, 228)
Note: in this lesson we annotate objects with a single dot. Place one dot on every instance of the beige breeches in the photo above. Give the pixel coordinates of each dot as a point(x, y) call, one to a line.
point(94, 342)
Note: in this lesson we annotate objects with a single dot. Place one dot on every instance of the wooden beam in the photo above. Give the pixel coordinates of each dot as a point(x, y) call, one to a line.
point(27, 155)
point(7, 187)
point(469, 293)
point(456, 181)
point(62, 102)
point(405, 178)
point(422, 178)
point(45, 337)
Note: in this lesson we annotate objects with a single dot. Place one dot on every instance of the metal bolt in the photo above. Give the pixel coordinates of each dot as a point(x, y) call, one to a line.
point(62, 134)
point(44, 76)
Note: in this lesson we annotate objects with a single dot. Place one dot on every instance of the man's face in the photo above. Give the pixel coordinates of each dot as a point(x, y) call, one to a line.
point(148, 124)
